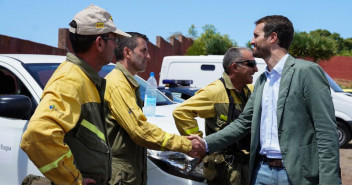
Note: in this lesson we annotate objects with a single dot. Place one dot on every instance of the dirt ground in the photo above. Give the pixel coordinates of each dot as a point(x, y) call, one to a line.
point(346, 164)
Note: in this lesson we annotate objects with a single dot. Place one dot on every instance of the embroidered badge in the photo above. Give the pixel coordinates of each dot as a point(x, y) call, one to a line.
point(99, 25)
point(52, 107)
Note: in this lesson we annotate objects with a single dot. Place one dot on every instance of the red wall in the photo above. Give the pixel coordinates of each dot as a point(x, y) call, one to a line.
point(338, 67)
point(11, 45)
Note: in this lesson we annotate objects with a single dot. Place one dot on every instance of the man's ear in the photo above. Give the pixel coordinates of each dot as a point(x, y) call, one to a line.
point(99, 43)
point(233, 68)
point(127, 53)
point(274, 38)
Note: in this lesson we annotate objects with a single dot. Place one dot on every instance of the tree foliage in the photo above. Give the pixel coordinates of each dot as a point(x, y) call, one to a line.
point(249, 45)
point(210, 42)
point(347, 47)
point(314, 46)
point(340, 46)
point(319, 45)
point(334, 36)
point(192, 31)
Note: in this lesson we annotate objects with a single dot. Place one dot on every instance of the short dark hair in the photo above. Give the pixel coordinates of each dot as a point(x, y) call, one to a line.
point(281, 25)
point(232, 55)
point(82, 43)
point(129, 42)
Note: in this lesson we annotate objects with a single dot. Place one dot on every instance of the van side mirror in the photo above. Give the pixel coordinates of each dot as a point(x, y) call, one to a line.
point(15, 106)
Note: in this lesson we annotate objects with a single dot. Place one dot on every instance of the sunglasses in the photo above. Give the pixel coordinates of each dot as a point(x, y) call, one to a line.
point(249, 63)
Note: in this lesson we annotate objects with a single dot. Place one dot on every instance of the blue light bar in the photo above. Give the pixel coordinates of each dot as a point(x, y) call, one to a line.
point(172, 82)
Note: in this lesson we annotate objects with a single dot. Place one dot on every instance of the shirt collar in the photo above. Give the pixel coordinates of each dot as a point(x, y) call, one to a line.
point(227, 80)
point(85, 67)
point(127, 74)
point(229, 84)
point(278, 67)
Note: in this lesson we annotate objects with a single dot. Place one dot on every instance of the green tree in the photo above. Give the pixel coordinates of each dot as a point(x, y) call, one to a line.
point(197, 48)
point(192, 31)
point(210, 42)
point(347, 47)
point(249, 45)
point(347, 44)
point(313, 46)
point(320, 32)
point(343, 46)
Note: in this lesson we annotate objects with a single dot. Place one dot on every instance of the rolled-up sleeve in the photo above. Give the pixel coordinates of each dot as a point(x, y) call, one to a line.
point(200, 105)
point(43, 141)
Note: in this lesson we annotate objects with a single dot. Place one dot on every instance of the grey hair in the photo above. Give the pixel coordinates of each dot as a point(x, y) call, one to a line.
point(129, 42)
point(232, 55)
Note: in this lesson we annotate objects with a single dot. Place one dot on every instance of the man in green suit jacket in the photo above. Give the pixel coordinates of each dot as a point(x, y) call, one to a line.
point(290, 116)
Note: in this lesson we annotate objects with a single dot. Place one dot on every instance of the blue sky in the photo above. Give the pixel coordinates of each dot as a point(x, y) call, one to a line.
point(39, 20)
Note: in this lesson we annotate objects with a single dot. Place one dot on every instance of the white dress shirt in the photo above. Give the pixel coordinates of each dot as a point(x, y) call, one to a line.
point(269, 140)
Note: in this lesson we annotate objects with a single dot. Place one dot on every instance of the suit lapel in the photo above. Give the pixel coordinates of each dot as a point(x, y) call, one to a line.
point(259, 93)
point(285, 84)
point(257, 108)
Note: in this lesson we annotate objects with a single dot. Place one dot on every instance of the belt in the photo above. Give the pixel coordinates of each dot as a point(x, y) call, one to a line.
point(272, 162)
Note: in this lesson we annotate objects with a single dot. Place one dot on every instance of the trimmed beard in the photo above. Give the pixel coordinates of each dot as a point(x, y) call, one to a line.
point(263, 52)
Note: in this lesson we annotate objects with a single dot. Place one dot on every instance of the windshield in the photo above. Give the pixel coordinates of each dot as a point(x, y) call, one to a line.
point(41, 72)
point(333, 84)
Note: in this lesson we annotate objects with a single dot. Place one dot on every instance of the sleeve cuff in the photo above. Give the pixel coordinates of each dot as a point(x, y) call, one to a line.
point(206, 146)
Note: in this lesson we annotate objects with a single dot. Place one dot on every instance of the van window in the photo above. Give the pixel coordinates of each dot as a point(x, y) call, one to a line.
point(207, 67)
point(7, 82)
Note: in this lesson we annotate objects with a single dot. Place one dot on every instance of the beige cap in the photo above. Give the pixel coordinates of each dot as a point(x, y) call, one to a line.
point(94, 20)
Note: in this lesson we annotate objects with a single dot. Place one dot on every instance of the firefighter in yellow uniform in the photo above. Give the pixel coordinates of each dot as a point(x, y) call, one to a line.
point(66, 137)
point(220, 103)
point(129, 132)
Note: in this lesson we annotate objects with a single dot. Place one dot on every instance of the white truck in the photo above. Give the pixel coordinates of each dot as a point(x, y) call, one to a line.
point(21, 85)
point(205, 69)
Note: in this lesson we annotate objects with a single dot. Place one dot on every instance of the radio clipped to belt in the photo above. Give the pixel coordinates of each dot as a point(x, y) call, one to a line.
point(216, 164)
point(214, 167)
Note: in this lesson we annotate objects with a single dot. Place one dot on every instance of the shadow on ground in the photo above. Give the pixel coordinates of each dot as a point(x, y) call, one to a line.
point(348, 146)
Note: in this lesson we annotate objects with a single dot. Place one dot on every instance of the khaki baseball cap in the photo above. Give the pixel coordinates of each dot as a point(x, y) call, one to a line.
point(94, 20)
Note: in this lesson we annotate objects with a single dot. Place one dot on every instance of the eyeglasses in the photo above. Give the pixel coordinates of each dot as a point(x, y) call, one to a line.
point(250, 63)
point(116, 39)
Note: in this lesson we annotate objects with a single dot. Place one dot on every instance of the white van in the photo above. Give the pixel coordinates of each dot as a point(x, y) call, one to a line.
point(201, 69)
point(205, 69)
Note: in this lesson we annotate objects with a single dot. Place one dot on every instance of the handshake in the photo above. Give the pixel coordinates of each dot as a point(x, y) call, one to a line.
point(198, 147)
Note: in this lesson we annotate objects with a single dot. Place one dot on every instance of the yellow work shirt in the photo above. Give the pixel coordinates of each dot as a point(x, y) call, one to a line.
point(211, 103)
point(66, 136)
point(121, 99)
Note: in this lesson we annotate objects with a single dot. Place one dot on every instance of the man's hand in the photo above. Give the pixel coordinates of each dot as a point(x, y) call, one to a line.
point(198, 147)
point(87, 181)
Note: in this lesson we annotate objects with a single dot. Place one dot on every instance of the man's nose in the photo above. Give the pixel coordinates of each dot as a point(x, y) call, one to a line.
point(252, 41)
point(148, 56)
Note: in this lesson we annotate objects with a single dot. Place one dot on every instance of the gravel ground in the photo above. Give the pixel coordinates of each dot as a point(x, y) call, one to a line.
point(346, 164)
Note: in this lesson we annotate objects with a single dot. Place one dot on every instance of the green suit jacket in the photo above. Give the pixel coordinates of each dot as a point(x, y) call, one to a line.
point(306, 125)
